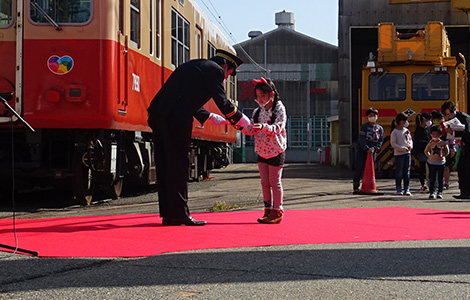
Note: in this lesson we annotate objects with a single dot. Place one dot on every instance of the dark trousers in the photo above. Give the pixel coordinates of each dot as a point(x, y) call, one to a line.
point(402, 171)
point(359, 165)
point(463, 171)
point(422, 172)
point(172, 140)
point(436, 172)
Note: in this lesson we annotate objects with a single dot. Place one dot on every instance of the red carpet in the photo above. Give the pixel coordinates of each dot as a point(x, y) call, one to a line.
point(143, 235)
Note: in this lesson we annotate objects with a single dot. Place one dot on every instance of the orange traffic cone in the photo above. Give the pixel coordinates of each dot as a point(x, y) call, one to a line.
point(368, 180)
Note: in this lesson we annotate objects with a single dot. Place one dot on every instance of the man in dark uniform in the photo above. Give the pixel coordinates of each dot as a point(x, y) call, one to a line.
point(171, 113)
point(463, 167)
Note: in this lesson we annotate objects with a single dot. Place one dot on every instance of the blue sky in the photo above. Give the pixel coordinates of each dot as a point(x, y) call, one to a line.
point(315, 18)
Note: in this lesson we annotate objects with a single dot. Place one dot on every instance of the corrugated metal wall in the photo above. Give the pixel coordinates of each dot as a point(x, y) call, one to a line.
point(292, 59)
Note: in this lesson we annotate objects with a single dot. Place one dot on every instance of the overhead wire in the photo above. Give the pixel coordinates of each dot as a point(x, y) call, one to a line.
point(224, 27)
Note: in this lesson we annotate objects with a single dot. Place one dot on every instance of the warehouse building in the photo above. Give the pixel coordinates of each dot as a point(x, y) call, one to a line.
point(304, 70)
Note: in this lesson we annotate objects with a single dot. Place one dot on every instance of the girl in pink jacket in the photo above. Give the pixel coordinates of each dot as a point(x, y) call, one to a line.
point(269, 128)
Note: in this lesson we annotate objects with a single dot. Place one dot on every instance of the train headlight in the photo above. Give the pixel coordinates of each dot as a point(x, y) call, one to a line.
point(380, 70)
point(440, 69)
point(53, 96)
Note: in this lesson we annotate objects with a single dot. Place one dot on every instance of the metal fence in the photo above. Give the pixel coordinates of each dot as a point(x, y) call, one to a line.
point(302, 132)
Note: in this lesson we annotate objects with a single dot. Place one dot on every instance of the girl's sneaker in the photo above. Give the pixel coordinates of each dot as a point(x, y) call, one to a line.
point(407, 193)
point(399, 192)
point(432, 196)
point(423, 189)
point(446, 186)
point(439, 195)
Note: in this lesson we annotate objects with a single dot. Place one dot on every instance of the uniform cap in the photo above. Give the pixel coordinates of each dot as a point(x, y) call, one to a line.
point(230, 57)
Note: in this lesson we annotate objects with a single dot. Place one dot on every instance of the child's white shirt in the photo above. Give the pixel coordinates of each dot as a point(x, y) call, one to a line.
point(271, 140)
point(400, 139)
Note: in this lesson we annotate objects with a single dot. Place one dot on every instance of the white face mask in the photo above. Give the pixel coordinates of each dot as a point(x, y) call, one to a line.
point(372, 119)
point(407, 124)
point(261, 104)
point(428, 123)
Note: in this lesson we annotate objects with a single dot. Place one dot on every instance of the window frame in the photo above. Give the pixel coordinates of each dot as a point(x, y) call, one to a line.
point(387, 74)
point(92, 5)
point(13, 15)
point(198, 38)
point(233, 87)
point(427, 99)
point(211, 49)
point(138, 31)
point(158, 29)
point(178, 58)
point(152, 27)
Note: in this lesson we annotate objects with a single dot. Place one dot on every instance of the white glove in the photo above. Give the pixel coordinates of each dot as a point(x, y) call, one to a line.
point(217, 119)
point(244, 121)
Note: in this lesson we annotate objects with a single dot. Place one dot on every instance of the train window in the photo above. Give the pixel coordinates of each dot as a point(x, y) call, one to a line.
point(210, 50)
point(430, 86)
point(198, 39)
point(232, 87)
point(6, 13)
point(121, 16)
point(157, 28)
point(387, 87)
point(135, 23)
point(179, 39)
point(62, 11)
point(152, 24)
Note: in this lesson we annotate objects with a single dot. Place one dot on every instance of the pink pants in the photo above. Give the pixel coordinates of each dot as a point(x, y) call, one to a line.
point(271, 182)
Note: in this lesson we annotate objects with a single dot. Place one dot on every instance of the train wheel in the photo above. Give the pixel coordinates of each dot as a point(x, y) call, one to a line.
point(83, 185)
point(116, 188)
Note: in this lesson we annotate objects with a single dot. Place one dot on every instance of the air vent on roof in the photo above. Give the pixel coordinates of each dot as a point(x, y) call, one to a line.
point(285, 19)
point(254, 33)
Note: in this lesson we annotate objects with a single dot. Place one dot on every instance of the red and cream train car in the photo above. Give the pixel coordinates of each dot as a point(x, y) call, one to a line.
point(82, 74)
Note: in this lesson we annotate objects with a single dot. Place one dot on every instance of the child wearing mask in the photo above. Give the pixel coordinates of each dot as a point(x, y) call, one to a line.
point(269, 127)
point(402, 144)
point(420, 141)
point(371, 137)
point(437, 118)
point(436, 151)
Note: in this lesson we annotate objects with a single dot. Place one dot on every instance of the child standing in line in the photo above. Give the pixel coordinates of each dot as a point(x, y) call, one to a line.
point(269, 128)
point(437, 118)
point(436, 151)
point(371, 137)
point(420, 141)
point(402, 144)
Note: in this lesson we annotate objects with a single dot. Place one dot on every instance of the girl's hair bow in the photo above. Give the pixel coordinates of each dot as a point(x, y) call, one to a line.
point(261, 80)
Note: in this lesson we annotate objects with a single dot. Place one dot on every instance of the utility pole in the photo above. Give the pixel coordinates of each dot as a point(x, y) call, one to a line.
point(309, 134)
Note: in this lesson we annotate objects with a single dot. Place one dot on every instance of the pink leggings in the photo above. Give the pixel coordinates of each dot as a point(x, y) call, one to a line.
point(271, 181)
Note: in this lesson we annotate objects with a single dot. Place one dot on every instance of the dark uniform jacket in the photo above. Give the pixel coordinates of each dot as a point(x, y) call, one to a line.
point(465, 134)
point(188, 88)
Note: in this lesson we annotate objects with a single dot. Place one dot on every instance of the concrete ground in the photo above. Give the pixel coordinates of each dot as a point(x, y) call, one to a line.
point(437, 269)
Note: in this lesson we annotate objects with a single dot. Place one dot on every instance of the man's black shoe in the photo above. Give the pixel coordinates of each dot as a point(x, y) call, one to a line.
point(461, 196)
point(183, 221)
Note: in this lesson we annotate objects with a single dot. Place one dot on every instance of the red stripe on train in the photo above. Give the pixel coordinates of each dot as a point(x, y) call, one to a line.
point(391, 112)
